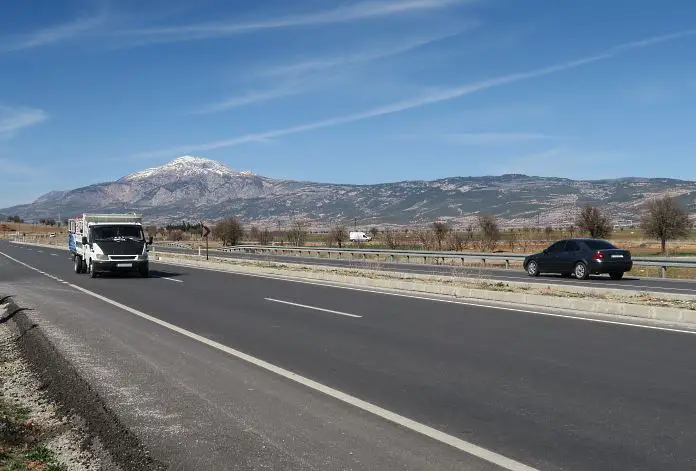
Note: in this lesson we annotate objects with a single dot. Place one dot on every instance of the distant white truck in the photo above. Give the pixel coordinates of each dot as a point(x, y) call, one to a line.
point(357, 236)
point(108, 243)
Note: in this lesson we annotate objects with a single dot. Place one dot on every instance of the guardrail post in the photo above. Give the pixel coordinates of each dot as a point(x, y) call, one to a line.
point(507, 264)
point(664, 272)
point(463, 261)
point(391, 258)
point(483, 260)
point(425, 260)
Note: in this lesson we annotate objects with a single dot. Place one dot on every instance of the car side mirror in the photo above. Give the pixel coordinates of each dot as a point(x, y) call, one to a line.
point(149, 240)
point(546, 251)
point(84, 241)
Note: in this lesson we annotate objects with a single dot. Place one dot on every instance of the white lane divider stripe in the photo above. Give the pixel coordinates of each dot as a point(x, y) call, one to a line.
point(54, 254)
point(329, 284)
point(462, 445)
point(171, 279)
point(311, 307)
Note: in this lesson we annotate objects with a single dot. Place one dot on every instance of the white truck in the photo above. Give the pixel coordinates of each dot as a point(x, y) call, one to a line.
point(108, 243)
point(357, 236)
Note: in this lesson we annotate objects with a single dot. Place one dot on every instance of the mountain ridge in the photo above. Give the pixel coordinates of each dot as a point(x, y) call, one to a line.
point(194, 188)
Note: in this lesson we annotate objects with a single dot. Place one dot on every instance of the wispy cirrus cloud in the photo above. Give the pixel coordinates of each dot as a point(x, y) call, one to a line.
point(298, 77)
point(373, 53)
point(53, 34)
point(13, 119)
point(481, 138)
point(428, 98)
point(250, 98)
point(363, 10)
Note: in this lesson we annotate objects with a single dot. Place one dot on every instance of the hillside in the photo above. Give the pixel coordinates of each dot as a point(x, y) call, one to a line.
point(192, 188)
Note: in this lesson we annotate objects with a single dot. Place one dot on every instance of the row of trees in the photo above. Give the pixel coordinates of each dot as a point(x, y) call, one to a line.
point(230, 231)
point(664, 220)
point(16, 219)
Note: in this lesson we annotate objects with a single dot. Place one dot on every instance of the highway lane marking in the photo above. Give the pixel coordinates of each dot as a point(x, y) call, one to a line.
point(54, 254)
point(425, 430)
point(439, 300)
point(170, 279)
point(311, 307)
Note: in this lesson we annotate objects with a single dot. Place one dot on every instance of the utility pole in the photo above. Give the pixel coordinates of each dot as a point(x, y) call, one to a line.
point(355, 224)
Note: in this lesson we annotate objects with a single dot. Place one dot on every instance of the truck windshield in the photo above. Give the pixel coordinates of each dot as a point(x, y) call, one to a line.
point(117, 232)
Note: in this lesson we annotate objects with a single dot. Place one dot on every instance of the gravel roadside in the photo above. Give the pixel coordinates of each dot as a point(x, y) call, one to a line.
point(34, 434)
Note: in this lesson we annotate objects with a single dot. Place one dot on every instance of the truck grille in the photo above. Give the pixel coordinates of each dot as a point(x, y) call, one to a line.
point(122, 257)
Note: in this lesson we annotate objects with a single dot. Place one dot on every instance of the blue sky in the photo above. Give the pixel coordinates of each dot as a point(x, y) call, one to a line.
point(347, 91)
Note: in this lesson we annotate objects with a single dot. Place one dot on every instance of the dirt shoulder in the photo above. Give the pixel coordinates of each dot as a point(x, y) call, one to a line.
point(49, 420)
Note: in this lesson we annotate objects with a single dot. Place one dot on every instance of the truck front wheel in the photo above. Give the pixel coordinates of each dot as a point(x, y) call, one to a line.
point(145, 271)
point(77, 264)
point(92, 273)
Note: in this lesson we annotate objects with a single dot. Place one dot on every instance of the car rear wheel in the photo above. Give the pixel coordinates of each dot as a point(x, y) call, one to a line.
point(616, 275)
point(533, 268)
point(581, 272)
point(77, 264)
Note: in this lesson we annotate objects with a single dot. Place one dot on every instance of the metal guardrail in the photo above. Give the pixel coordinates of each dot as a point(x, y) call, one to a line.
point(409, 255)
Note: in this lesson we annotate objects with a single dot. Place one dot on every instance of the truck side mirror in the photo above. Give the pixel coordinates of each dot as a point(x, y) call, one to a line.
point(84, 240)
point(149, 240)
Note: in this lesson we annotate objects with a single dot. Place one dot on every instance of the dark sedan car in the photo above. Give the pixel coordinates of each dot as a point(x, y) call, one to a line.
point(582, 257)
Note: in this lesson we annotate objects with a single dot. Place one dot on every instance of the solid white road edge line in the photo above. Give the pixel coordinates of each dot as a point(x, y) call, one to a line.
point(462, 445)
point(311, 307)
point(439, 300)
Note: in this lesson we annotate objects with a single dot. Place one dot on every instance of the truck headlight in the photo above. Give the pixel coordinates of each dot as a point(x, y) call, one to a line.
point(100, 256)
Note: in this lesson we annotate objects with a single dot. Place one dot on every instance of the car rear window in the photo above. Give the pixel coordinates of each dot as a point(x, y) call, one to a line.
point(599, 244)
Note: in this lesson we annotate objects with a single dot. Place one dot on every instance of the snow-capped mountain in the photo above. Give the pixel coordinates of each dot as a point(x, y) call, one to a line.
point(193, 188)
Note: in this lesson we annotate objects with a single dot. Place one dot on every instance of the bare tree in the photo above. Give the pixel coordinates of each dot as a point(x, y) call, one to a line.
point(374, 232)
point(571, 231)
point(490, 233)
point(513, 240)
point(594, 222)
point(440, 231)
point(254, 233)
point(229, 231)
point(176, 235)
point(337, 235)
point(297, 235)
point(469, 234)
point(665, 219)
point(392, 238)
point(456, 241)
point(262, 236)
point(548, 232)
point(427, 239)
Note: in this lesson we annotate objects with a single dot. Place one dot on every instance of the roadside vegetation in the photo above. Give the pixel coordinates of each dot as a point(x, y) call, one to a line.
point(665, 228)
point(21, 438)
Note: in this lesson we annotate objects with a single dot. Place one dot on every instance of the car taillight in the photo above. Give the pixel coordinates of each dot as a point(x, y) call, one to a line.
point(598, 256)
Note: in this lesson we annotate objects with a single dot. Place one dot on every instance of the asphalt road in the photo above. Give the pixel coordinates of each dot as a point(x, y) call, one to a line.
point(552, 393)
point(630, 282)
